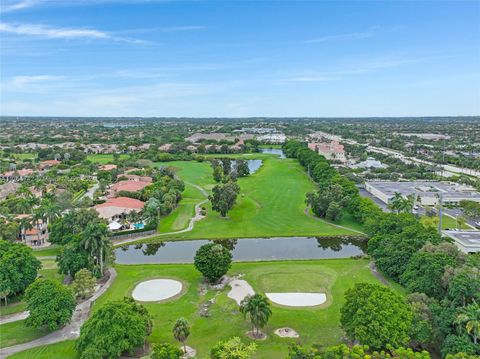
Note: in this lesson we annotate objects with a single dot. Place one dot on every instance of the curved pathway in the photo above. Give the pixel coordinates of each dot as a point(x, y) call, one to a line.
point(377, 274)
point(308, 214)
point(191, 224)
point(70, 331)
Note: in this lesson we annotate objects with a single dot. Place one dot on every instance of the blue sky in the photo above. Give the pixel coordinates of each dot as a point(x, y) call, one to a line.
point(239, 58)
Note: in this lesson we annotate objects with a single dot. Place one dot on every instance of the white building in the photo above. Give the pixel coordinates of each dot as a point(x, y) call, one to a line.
point(466, 241)
point(428, 193)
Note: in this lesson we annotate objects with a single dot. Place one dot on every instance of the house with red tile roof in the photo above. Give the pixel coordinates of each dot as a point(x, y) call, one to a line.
point(115, 209)
point(333, 151)
point(17, 175)
point(48, 164)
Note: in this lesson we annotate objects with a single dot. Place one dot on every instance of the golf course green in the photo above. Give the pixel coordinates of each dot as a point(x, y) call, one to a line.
point(271, 203)
point(316, 325)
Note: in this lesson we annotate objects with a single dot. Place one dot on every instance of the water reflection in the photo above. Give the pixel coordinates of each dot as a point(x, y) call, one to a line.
point(244, 249)
point(274, 151)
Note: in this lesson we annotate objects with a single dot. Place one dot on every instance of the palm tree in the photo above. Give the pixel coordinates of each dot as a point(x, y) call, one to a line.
point(469, 317)
point(396, 202)
point(96, 240)
point(181, 331)
point(257, 308)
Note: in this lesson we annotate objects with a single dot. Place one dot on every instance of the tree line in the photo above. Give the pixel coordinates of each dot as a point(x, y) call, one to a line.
point(442, 308)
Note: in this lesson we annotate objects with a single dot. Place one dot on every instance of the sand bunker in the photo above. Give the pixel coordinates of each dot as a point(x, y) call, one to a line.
point(240, 289)
point(156, 289)
point(286, 333)
point(297, 299)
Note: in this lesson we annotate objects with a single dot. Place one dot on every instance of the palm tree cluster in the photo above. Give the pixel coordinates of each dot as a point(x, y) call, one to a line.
point(401, 204)
point(257, 309)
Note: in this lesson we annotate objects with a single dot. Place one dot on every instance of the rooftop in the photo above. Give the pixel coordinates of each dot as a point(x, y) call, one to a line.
point(433, 188)
point(469, 240)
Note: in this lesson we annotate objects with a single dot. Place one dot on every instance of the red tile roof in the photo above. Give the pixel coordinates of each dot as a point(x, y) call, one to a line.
point(129, 186)
point(124, 202)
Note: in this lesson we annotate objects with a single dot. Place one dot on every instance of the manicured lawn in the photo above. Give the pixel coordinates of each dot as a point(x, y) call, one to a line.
point(47, 251)
point(104, 158)
point(58, 350)
point(450, 222)
point(271, 203)
point(319, 326)
point(192, 173)
point(17, 333)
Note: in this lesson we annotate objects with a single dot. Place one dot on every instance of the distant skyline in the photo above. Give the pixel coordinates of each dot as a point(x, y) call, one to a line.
point(160, 58)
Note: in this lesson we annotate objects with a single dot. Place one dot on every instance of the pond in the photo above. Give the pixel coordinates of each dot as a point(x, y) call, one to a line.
point(274, 151)
point(253, 165)
point(244, 249)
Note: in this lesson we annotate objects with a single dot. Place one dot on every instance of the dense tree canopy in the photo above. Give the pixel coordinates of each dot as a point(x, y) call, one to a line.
point(213, 261)
point(376, 316)
point(18, 268)
point(116, 328)
point(50, 304)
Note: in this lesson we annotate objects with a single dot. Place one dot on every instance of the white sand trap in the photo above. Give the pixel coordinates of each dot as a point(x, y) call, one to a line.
point(240, 289)
point(297, 299)
point(156, 289)
point(286, 333)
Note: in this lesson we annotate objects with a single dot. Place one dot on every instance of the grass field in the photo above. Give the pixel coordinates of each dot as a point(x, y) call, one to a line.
point(103, 158)
point(59, 350)
point(52, 250)
point(317, 326)
point(271, 203)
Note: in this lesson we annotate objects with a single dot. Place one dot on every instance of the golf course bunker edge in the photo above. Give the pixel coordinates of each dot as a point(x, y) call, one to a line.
point(297, 299)
point(155, 290)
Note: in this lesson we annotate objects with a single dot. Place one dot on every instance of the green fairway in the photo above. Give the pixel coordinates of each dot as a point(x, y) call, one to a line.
point(46, 251)
point(318, 325)
point(102, 158)
point(271, 203)
point(58, 350)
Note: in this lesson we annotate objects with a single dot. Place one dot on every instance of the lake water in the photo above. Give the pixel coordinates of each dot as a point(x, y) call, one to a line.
point(244, 249)
point(253, 165)
point(274, 151)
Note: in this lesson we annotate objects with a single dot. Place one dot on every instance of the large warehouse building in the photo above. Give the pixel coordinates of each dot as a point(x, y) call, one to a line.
point(427, 193)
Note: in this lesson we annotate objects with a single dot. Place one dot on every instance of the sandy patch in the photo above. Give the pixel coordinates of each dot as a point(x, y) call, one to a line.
point(156, 289)
point(256, 335)
point(240, 289)
point(297, 299)
point(189, 353)
point(286, 333)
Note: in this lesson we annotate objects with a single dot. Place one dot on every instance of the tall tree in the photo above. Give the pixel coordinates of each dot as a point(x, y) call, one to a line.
point(95, 239)
point(181, 331)
point(224, 197)
point(50, 304)
point(257, 309)
point(469, 316)
point(18, 268)
point(376, 316)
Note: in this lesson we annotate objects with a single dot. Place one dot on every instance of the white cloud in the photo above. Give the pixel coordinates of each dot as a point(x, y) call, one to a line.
point(49, 32)
point(26, 80)
point(357, 69)
point(8, 6)
point(349, 36)
point(182, 28)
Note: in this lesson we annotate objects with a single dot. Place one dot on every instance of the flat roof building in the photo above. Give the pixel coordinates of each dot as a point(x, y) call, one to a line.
point(426, 192)
point(466, 241)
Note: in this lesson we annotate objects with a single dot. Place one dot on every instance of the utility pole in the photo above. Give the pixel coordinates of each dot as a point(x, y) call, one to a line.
point(440, 212)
